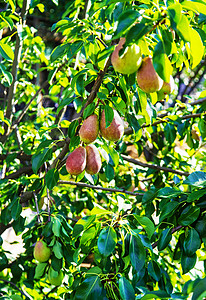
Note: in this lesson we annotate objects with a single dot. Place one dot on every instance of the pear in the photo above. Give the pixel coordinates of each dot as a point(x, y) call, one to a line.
point(166, 89)
point(116, 129)
point(94, 162)
point(130, 61)
point(76, 161)
point(89, 129)
point(147, 78)
point(54, 277)
point(41, 251)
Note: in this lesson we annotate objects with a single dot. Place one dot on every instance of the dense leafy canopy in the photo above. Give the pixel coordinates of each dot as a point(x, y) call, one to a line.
point(137, 229)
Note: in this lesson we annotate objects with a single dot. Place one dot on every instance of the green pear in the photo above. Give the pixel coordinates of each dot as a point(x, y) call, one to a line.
point(89, 129)
point(94, 162)
point(76, 161)
point(166, 89)
point(41, 251)
point(54, 277)
point(147, 78)
point(116, 129)
point(130, 61)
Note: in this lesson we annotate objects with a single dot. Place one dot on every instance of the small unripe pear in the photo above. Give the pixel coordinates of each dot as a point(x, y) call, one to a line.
point(94, 162)
point(130, 61)
point(147, 78)
point(41, 251)
point(76, 161)
point(55, 279)
point(166, 89)
point(89, 129)
point(116, 129)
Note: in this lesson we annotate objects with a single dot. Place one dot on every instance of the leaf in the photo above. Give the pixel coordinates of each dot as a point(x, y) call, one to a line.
point(170, 133)
point(137, 253)
point(168, 192)
point(39, 158)
point(51, 178)
point(146, 223)
point(89, 110)
point(192, 242)
point(39, 270)
point(56, 227)
point(109, 115)
point(73, 49)
point(107, 241)
point(6, 51)
point(196, 195)
point(16, 210)
point(175, 14)
point(197, 179)
point(137, 32)
point(126, 289)
point(164, 239)
point(57, 249)
point(125, 20)
point(72, 128)
point(189, 215)
point(188, 262)
point(168, 209)
point(194, 6)
point(199, 290)
point(58, 52)
point(154, 270)
point(90, 289)
point(161, 62)
point(6, 74)
point(196, 47)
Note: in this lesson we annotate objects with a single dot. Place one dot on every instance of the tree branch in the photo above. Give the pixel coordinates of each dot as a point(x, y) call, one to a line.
point(14, 285)
point(155, 167)
point(95, 187)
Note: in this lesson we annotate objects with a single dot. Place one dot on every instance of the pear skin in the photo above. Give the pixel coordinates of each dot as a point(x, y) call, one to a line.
point(76, 161)
point(94, 162)
point(166, 89)
point(89, 129)
point(130, 61)
point(116, 129)
point(41, 251)
point(55, 280)
point(147, 78)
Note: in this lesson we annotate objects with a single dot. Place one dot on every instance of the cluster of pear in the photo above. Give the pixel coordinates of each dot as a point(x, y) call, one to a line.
point(131, 61)
point(42, 254)
point(88, 158)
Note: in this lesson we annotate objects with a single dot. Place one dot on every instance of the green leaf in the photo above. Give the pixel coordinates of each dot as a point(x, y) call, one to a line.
point(126, 289)
point(168, 192)
point(170, 133)
point(59, 51)
point(197, 179)
point(146, 223)
point(107, 241)
point(56, 227)
point(6, 51)
point(39, 270)
point(90, 289)
point(57, 249)
point(137, 253)
point(39, 158)
point(6, 74)
point(194, 6)
point(199, 290)
point(109, 115)
point(168, 209)
point(125, 20)
point(189, 215)
point(72, 128)
point(196, 47)
point(192, 242)
point(12, 4)
point(154, 270)
point(188, 262)
point(73, 49)
point(89, 110)
point(137, 32)
point(175, 14)
point(164, 239)
point(196, 195)
point(161, 62)
point(16, 210)
point(51, 178)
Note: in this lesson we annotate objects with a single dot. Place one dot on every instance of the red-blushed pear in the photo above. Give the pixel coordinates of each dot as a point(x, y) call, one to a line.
point(55, 278)
point(89, 129)
point(166, 89)
point(130, 60)
point(147, 78)
point(41, 251)
point(94, 162)
point(116, 129)
point(76, 161)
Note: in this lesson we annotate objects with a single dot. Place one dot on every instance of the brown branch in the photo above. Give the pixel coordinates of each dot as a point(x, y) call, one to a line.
point(18, 173)
point(4, 227)
point(155, 167)
point(95, 187)
point(172, 231)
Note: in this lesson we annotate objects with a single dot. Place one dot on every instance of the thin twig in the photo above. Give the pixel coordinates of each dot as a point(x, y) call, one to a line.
point(14, 285)
point(155, 167)
point(37, 207)
point(48, 196)
point(95, 187)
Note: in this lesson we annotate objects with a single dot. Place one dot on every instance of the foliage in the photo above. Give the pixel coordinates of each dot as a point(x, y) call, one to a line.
point(137, 230)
